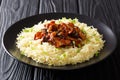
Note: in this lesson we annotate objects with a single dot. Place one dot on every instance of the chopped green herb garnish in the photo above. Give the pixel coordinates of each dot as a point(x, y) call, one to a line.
point(96, 54)
point(28, 30)
point(83, 31)
point(44, 52)
point(96, 39)
point(22, 52)
point(21, 37)
point(78, 50)
point(79, 45)
point(73, 21)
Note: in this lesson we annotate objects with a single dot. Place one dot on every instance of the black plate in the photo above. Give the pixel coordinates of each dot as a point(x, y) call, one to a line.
point(9, 39)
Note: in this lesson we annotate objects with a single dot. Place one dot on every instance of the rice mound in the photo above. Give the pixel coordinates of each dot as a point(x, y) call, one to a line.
point(48, 54)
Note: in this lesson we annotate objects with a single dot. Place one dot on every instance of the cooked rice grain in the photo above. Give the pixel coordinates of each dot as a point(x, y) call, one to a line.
point(50, 55)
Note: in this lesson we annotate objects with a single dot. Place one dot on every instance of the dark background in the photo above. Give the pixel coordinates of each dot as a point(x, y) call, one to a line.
point(106, 11)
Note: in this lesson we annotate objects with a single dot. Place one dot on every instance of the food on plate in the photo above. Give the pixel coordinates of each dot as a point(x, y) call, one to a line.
point(60, 35)
point(60, 42)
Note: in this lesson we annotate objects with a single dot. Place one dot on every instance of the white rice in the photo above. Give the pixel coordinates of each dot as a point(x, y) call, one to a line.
point(50, 55)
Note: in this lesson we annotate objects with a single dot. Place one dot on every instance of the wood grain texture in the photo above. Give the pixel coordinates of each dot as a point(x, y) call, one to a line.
point(10, 12)
point(47, 6)
point(0, 2)
point(106, 11)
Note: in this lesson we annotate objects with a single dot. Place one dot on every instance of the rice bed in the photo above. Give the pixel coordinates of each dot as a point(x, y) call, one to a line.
point(50, 55)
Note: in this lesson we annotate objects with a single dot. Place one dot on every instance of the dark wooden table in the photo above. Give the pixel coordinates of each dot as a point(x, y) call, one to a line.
point(106, 11)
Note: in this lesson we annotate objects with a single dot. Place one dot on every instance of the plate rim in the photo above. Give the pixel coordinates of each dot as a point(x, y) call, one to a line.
point(56, 67)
